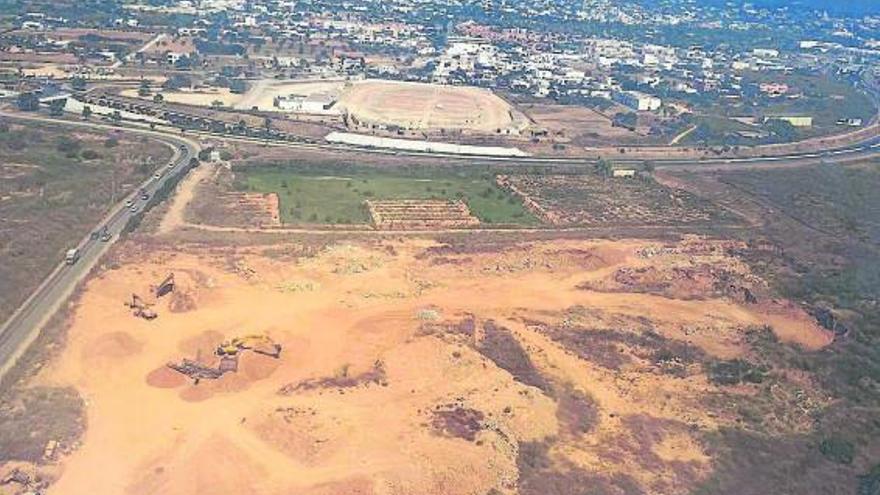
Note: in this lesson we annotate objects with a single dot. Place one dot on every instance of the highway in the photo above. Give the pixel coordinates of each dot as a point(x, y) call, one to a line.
point(868, 148)
point(862, 147)
point(24, 325)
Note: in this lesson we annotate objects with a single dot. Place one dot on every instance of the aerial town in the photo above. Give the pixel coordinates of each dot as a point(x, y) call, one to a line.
point(464, 247)
point(654, 74)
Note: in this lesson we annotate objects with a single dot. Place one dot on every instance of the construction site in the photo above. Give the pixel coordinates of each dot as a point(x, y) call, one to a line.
point(232, 370)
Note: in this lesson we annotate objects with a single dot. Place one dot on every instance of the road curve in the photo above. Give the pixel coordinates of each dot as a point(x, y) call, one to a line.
point(24, 325)
point(865, 149)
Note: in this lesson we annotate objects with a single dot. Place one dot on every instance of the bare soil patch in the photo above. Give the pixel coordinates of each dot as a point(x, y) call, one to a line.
point(594, 200)
point(577, 125)
point(420, 214)
point(430, 107)
point(478, 374)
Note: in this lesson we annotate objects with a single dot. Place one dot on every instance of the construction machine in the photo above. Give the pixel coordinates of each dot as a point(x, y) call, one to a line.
point(140, 308)
point(166, 286)
point(196, 370)
point(229, 352)
point(261, 344)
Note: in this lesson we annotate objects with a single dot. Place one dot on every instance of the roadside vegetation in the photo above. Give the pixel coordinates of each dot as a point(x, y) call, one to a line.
point(56, 186)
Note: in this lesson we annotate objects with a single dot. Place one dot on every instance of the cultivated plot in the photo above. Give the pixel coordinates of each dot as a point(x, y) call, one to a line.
point(340, 199)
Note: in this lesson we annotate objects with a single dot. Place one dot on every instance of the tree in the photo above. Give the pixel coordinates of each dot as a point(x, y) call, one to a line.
point(157, 98)
point(86, 112)
point(116, 116)
point(237, 86)
point(144, 89)
point(78, 84)
point(56, 107)
point(628, 120)
point(604, 167)
point(782, 129)
point(28, 102)
point(176, 81)
point(184, 62)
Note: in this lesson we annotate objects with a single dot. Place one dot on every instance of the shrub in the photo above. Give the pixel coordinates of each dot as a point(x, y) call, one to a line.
point(68, 145)
point(837, 450)
point(89, 155)
point(869, 484)
point(735, 371)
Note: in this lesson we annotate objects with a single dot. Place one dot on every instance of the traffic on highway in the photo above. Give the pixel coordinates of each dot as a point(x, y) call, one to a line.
point(23, 325)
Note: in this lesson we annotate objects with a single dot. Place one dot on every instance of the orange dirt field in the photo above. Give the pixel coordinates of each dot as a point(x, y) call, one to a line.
point(408, 367)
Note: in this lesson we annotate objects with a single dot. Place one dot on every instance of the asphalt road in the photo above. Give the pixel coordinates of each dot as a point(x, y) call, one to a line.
point(24, 325)
point(859, 150)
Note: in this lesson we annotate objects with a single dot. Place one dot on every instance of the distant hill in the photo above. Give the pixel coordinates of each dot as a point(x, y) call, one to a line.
point(848, 7)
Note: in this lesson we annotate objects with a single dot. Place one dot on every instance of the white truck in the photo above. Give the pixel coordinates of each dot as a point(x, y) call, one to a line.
point(72, 256)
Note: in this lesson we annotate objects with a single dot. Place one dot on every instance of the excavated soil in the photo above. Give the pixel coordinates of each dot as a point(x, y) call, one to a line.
point(532, 368)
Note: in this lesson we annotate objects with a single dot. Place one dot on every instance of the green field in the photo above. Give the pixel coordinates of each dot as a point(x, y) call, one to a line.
point(310, 197)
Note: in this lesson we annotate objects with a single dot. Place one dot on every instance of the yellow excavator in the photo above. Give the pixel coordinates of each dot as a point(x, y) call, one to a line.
point(261, 344)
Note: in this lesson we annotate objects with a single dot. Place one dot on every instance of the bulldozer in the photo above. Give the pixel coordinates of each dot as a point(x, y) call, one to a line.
point(261, 344)
point(166, 286)
point(140, 308)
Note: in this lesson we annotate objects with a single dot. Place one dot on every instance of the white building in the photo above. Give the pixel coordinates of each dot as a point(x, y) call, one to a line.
point(765, 53)
point(637, 101)
point(319, 103)
point(173, 57)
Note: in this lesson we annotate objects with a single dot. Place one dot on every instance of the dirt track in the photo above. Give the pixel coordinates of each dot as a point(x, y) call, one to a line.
point(408, 367)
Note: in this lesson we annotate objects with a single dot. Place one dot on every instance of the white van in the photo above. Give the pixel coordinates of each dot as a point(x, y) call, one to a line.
point(72, 256)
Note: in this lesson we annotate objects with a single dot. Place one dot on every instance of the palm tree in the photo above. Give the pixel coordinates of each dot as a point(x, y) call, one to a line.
point(604, 167)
